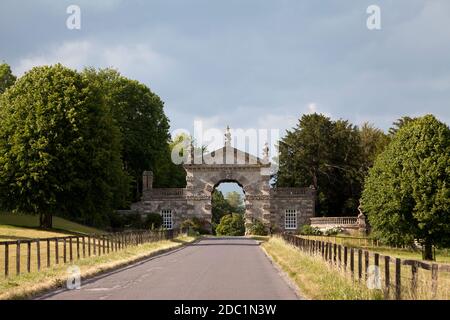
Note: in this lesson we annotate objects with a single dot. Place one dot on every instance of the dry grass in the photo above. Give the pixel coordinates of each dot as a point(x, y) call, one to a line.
point(423, 286)
point(29, 284)
point(315, 278)
point(8, 233)
point(31, 222)
point(442, 255)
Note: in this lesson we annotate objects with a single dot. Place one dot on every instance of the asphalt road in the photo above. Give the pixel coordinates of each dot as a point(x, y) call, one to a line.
point(216, 268)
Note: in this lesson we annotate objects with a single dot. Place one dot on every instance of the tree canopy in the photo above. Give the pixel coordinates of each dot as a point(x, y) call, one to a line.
point(139, 114)
point(224, 205)
point(406, 195)
point(59, 148)
point(7, 78)
point(327, 155)
point(231, 225)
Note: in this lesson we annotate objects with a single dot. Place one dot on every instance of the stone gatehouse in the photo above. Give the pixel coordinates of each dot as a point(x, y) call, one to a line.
point(280, 209)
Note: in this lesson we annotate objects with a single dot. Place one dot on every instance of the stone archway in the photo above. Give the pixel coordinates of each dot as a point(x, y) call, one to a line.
point(278, 209)
point(251, 174)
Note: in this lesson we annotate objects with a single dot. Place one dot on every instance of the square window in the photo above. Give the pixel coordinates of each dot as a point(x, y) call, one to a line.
point(290, 219)
point(167, 219)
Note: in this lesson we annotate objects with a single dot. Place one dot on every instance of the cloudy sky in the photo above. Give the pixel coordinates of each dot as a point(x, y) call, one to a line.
point(250, 63)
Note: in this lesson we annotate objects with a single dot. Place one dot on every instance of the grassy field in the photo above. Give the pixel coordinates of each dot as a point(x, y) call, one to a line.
point(27, 226)
point(8, 232)
point(29, 284)
point(314, 278)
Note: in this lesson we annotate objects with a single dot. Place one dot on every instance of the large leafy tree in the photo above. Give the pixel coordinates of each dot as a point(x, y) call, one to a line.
point(231, 225)
point(235, 201)
point(399, 123)
point(220, 206)
point(327, 155)
point(406, 195)
point(224, 205)
point(7, 78)
point(59, 148)
point(373, 142)
point(140, 116)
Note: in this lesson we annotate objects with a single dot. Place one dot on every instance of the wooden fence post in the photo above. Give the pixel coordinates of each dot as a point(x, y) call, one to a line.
point(6, 260)
point(398, 281)
point(345, 258)
point(334, 252)
point(340, 256)
point(29, 256)
point(70, 250)
point(359, 264)
point(387, 280)
point(414, 275)
point(56, 251)
point(18, 257)
point(48, 253)
point(352, 263)
point(38, 254)
point(330, 252)
point(78, 248)
point(65, 251)
point(376, 259)
point(84, 247)
point(434, 280)
point(93, 244)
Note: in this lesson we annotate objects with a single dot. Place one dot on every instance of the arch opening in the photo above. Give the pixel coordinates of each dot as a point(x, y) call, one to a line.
point(228, 199)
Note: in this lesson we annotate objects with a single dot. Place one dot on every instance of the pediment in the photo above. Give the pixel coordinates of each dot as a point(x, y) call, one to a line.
point(231, 156)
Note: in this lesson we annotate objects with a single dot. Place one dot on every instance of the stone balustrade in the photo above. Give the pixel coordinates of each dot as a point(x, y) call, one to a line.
point(334, 221)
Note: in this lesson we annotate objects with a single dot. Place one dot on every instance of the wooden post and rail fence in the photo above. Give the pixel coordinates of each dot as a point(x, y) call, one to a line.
point(389, 277)
point(29, 255)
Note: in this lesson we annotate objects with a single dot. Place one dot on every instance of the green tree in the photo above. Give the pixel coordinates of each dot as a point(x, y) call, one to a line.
point(397, 125)
point(220, 206)
point(406, 195)
point(373, 142)
point(235, 202)
point(327, 155)
point(231, 225)
point(144, 127)
point(59, 148)
point(7, 78)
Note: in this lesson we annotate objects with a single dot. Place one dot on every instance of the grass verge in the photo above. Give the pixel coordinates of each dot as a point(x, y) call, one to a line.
point(31, 284)
point(315, 278)
point(31, 223)
point(8, 233)
point(442, 254)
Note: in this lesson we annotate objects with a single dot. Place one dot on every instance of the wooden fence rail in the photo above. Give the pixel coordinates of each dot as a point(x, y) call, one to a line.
point(359, 269)
point(30, 253)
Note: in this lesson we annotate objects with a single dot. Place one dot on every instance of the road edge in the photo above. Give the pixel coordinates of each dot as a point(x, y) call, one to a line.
point(290, 282)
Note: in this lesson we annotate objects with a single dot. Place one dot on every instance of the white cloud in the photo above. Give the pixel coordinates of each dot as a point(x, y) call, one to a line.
point(137, 61)
point(312, 107)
